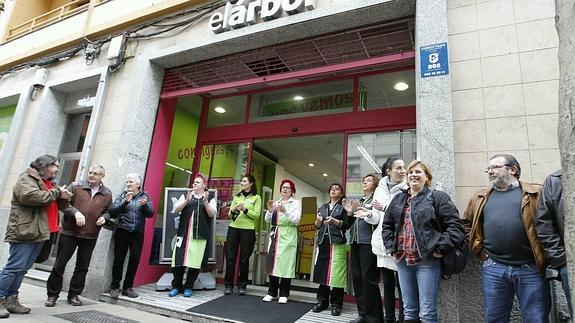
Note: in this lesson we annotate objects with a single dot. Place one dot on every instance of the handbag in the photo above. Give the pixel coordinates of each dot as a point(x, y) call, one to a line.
point(454, 261)
point(111, 223)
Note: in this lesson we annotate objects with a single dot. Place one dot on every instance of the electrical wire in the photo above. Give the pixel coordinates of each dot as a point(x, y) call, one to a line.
point(130, 34)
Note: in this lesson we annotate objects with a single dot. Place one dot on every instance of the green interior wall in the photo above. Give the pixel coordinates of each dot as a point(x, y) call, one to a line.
point(6, 116)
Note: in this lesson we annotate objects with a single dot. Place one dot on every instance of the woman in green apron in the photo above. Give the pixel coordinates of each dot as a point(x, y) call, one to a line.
point(194, 231)
point(330, 268)
point(283, 215)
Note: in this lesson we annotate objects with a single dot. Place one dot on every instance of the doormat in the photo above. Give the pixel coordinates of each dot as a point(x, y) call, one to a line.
point(252, 309)
point(93, 317)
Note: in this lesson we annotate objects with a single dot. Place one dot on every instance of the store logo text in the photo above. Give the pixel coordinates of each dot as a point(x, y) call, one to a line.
point(240, 13)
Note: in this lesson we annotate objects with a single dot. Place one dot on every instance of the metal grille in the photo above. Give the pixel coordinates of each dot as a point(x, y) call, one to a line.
point(93, 317)
point(349, 46)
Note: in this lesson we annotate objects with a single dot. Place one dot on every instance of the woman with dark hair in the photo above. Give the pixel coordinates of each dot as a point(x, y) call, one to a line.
point(330, 269)
point(132, 207)
point(194, 231)
point(391, 184)
point(283, 215)
point(33, 215)
point(419, 227)
point(244, 213)
point(363, 262)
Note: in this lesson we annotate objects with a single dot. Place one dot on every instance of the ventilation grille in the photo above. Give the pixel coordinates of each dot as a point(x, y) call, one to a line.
point(353, 45)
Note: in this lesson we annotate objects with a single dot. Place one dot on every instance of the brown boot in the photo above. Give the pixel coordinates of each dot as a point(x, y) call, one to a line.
point(13, 305)
point(3, 311)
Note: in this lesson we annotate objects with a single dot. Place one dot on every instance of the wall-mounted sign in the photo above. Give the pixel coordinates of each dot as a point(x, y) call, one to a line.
point(240, 13)
point(434, 60)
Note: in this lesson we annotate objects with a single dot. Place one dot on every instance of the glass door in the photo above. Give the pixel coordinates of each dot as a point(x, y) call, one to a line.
point(223, 165)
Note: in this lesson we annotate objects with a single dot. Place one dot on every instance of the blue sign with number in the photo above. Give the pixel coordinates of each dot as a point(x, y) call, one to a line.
point(434, 60)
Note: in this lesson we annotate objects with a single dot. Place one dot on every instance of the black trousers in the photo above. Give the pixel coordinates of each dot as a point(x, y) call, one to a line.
point(284, 285)
point(67, 245)
point(324, 293)
point(244, 240)
point(191, 277)
point(390, 281)
point(125, 240)
point(365, 276)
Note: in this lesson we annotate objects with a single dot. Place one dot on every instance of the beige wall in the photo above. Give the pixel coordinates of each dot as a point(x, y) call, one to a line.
point(504, 72)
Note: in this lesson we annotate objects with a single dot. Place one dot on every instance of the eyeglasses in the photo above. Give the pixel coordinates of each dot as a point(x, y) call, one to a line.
point(55, 164)
point(492, 167)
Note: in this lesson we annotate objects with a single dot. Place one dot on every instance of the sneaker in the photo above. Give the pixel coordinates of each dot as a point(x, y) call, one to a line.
point(13, 305)
point(228, 291)
point(173, 292)
point(187, 292)
point(282, 300)
point(269, 298)
point(241, 291)
point(3, 311)
point(115, 293)
point(130, 293)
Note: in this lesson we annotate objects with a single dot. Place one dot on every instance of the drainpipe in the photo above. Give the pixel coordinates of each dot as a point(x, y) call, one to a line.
point(96, 116)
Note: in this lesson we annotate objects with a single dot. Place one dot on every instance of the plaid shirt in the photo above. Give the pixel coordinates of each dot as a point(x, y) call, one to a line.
point(407, 246)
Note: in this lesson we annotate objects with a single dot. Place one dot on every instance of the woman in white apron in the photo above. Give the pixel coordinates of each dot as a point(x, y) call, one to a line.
point(283, 215)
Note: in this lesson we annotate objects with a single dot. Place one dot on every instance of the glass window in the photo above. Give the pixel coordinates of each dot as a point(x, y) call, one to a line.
point(390, 90)
point(227, 111)
point(303, 101)
point(366, 153)
point(6, 116)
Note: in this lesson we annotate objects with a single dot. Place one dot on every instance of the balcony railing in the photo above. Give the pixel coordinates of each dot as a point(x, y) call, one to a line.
point(50, 17)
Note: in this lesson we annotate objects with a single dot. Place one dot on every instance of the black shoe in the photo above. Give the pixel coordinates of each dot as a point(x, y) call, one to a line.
point(75, 300)
point(358, 320)
point(51, 301)
point(335, 310)
point(319, 307)
point(130, 293)
point(229, 291)
point(241, 291)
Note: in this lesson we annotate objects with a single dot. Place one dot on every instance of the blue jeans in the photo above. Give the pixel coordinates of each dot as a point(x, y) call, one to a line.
point(420, 288)
point(501, 282)
point(565, 284)
point(22, 257)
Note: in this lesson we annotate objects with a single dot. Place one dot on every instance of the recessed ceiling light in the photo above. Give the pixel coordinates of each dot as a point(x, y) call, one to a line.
point(324, 175)
point(220, 110)
point(310, 164)
point(298, 98)
point(401, 86)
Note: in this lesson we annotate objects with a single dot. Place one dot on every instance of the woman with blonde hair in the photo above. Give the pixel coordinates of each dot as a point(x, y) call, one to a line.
point(419, 227)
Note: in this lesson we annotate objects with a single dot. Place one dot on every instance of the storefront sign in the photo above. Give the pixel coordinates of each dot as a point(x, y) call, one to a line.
point(434, 60)
point(240, 13)
point(329, 102)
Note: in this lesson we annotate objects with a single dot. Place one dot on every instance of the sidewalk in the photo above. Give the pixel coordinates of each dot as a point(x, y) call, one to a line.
point(35, 296)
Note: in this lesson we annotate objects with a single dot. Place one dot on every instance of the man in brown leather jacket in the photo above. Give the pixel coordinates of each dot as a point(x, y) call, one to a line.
point(501, 225)
point(84, 215)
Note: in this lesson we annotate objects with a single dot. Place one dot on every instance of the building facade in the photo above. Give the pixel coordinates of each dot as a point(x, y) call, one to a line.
point(319, 91)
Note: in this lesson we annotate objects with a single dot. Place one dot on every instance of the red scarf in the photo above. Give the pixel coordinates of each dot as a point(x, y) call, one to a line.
point(51, 210)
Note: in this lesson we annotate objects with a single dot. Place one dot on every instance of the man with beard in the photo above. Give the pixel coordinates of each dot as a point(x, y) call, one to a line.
point(33, 215)
point(501, 225)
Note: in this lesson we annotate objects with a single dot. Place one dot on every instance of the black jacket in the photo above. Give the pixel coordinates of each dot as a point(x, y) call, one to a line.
point(132, 214)
point(360, 230)
point(332, 232)
point(550, 220)
point(436, 222)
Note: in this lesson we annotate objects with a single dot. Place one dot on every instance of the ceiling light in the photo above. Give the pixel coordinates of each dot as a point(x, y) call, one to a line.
point(220, 110)
point(298, 98)
point(324, 175)
point(310, 164)
point(401, 86)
